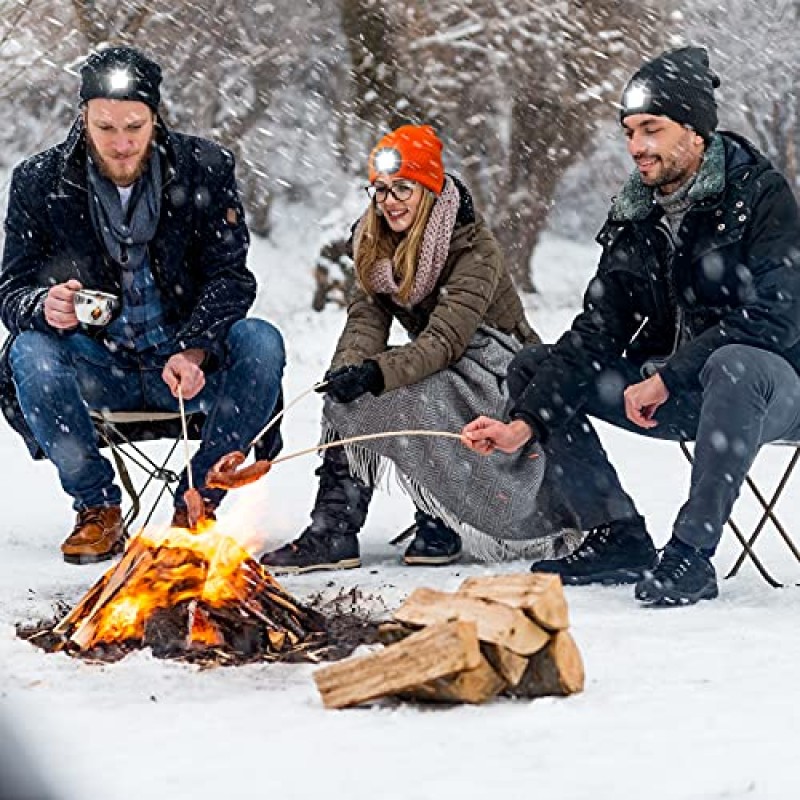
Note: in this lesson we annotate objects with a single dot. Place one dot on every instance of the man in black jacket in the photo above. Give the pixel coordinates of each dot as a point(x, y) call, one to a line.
point(154, 219)
point(690, 330)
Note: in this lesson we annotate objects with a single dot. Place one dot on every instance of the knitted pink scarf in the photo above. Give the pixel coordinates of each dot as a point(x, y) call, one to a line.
point(432, 255)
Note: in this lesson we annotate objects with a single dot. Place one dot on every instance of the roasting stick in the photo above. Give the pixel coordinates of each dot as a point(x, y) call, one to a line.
point(363, 438)
point(185, 438)
point(294, 402)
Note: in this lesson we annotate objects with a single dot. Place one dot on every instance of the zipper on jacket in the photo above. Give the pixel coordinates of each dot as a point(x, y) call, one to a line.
point(635, 335)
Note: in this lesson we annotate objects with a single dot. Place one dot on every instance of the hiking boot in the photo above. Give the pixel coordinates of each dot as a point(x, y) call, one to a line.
point(314, 551)
point(180, 516)
point(683, 576)
point(98, 535)
point(433, 544)
point(330, 542)
point(617, 552)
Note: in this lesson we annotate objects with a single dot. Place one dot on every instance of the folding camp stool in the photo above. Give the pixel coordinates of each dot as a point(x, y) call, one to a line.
point(768, 514)
point(109, 426)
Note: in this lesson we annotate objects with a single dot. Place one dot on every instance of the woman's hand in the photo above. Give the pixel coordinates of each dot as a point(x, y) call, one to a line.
point(348, 383)
point(484, 435)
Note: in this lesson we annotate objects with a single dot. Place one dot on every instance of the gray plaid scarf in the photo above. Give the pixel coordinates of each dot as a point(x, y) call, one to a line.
point(126, 236)
point(140, 324)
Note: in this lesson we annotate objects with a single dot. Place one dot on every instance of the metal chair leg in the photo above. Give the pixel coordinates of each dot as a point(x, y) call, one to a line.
point(139, 458)
point(747, 549)
point(768, 513)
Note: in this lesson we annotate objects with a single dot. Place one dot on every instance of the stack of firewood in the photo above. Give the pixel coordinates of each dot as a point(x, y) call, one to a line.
point(498, 634)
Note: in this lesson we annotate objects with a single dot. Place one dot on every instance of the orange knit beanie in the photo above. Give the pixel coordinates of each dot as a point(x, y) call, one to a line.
point(413, 152)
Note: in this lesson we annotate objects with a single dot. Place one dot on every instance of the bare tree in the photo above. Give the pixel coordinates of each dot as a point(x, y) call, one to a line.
point(515, 88)
point(760, 71)
point(226, 63)
point(518, 88)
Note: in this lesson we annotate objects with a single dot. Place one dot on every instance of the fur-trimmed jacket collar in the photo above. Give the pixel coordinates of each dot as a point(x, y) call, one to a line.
point(635, 201)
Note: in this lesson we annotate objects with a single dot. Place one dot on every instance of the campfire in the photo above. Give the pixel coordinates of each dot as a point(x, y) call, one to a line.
point(198, 593)
point(188, 593)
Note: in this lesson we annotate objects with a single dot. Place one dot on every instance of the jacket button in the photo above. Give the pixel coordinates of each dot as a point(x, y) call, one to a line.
point(719, 212)
point(721, 226)
point(742, 217)
point(739, 203)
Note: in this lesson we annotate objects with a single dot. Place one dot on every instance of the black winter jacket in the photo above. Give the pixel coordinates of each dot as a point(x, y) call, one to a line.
point(198, 255)
point(734, 278)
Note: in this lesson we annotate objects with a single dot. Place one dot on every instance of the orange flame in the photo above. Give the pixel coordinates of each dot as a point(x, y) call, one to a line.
point(173, 566)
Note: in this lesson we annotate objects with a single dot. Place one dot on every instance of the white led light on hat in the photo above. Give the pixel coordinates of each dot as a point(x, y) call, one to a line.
point(119, 80)
point(387, 160)
point(637, 96)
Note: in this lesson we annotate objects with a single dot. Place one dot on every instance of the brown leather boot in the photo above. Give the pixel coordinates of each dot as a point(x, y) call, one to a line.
point(98, 535)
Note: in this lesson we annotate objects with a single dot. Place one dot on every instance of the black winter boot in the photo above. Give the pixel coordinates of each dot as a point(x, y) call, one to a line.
point(330, 542)
point(433, 544)
point(683, 576)
point(617, 552)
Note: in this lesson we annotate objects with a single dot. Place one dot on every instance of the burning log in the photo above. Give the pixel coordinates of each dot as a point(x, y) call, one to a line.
point(189, 592)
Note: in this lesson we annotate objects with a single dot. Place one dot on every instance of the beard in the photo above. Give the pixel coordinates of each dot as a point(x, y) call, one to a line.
point(673, 169)
point(671, 173)
point(113, 171)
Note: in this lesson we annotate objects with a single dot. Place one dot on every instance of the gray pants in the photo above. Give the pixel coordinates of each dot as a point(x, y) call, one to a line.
point(749, 397)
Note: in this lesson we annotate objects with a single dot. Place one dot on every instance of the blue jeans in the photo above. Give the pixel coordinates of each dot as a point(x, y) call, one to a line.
point(749, 397)
point(59, 379)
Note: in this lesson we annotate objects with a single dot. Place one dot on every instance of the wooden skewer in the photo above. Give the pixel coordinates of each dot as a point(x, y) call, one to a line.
point(185, 438)
point(363, 438)
point(294, 402)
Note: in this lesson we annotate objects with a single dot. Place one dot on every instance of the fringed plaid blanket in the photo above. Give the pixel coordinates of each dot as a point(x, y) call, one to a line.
point(503, 506)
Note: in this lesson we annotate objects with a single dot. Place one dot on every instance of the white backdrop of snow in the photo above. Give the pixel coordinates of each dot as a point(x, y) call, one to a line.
point(699, 702)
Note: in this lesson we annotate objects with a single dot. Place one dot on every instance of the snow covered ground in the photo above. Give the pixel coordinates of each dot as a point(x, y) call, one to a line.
point(680, 704)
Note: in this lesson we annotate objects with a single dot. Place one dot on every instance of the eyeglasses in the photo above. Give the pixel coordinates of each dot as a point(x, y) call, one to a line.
point(379, 192)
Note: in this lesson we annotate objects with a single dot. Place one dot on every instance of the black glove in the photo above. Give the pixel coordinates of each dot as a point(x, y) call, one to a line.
point(348, 383)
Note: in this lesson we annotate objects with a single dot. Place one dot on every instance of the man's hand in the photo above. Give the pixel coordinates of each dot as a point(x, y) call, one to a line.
point(643, 399)
point(183, 369)
point(59, 305)
point(484, 435)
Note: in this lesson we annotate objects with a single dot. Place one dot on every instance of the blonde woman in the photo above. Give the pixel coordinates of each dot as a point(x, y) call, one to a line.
point(424, 257)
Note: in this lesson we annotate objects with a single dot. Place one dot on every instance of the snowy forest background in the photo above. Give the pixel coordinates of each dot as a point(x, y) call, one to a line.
point(686, 704)
point(523, 92)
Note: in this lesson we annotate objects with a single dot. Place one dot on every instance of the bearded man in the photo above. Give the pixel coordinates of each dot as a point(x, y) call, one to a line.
point(690, 331)
point(153, 217)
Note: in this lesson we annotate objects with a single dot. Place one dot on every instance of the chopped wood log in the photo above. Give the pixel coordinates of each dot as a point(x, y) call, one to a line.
point(510, 666)
point(497, 623)
point(470, 686)
point(435, 652)
point(556, 670)
point(538, 594)
point(392, 632)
